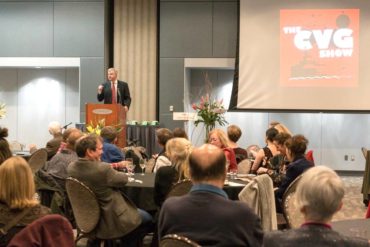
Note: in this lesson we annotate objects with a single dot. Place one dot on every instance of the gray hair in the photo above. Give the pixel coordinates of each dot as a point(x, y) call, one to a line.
point(320, 192)
point(54, 127)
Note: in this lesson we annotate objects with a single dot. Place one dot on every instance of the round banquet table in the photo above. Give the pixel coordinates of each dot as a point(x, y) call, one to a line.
point(141, 190)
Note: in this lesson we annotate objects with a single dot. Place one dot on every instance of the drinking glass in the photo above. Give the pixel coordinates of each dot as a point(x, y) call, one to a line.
point(130, 165)
point(142, 166)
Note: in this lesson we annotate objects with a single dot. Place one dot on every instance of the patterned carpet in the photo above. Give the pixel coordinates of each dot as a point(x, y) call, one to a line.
point(353, 206)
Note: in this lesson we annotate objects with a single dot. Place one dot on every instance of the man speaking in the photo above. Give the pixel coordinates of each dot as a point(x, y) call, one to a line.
point(114, 91)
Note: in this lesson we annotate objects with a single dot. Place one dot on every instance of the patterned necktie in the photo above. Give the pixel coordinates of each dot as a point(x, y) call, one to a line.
point(114, 94)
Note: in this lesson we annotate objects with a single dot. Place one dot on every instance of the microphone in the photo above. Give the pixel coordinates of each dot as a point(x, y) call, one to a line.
point(65, 126)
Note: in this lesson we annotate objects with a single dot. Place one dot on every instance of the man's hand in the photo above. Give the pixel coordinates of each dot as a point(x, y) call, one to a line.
point(100, 89)
point(126, 108)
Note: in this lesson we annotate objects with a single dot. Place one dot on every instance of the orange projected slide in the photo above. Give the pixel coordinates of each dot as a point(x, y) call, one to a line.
point(319, 47)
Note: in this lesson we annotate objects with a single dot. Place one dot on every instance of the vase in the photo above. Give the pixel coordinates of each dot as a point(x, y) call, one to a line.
point(209, 128)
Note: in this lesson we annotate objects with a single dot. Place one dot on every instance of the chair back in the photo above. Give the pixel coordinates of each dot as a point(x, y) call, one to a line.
point(174, 240)
point(51, 230)
point(291, 211)
point(150, 165)
point(364, 152)
point(259, 195)
point(180, 188)
point(38, 159)
point(244, 166)
point(85, 205)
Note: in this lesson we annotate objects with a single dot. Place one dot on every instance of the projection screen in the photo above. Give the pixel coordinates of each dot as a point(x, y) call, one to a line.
point(303, 55)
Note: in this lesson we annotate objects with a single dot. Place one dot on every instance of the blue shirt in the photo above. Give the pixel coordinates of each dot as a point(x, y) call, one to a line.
point(111, 153)
point(208, 188)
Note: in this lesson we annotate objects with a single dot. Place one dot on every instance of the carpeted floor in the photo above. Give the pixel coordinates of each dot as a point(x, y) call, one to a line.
point(353, 206)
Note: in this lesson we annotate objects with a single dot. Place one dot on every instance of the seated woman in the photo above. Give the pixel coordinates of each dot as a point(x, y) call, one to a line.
point(163, 135)
point(295, 151)
point(17, 190)
point(265, 154)
point(234, 133)
point(5, 151)
point(319, 196)
point(218, 138)
point(178, 151)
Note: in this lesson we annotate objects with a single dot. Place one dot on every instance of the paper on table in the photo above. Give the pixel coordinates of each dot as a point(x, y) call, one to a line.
point(235, 184)
point(138, 181)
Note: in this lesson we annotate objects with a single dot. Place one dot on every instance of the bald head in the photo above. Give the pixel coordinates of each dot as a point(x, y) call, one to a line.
point(207, 163)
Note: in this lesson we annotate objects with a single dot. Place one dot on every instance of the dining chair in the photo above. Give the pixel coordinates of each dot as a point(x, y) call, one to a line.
point(259, 195)
point(364, 152)
point(365, 188)
point(38, 159)
point(291, 212)
point(149, 165)
point(244, 166)
point(51, 230)
point(174, 240)
point(85, 207)
point(180, 188)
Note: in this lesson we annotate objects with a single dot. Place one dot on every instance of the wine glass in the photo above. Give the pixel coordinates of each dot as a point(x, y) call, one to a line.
point(130, 165)
point(142, 166)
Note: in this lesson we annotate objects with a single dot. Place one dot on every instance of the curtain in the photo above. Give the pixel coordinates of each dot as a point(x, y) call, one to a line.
point(135, 54)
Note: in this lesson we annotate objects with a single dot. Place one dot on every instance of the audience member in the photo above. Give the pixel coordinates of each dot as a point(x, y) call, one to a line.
point(279, 161)
point(281, 128)
point(295, 151)
point(18, 207)
point(218, 138)
point(178, 151)
point(205, 215)
point(367, 216)
point(180, 132)
point(319, 196)
point(111, 153)
point(57, 166)
point(52, 145)
point(65, 135)
point(119, 217)
point(262, 161)
point(234, 133)
point(5, 151)
point(163, 135)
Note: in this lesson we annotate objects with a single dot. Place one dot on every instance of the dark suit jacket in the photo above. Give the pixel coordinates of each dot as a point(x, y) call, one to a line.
point(311, 235)
point(117, 219)
point(210, 220)
point(123, 93)
point(53, 145)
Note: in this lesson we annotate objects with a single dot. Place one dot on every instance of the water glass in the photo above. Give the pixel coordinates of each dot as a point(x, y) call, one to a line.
point(130, 165)
point(142, 166)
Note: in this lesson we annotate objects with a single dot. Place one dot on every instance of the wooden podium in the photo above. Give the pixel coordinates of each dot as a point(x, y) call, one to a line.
point(114, 114)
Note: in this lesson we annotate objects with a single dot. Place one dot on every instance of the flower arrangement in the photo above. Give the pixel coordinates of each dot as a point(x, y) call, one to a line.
point(2, 110)
point(96, 129)
point(209, 113)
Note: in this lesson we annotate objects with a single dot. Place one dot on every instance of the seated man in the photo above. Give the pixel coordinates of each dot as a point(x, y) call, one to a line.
point(52, 145)
point(111, 153)
point(319, 196)
point(206, 215)
point(119, 217)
